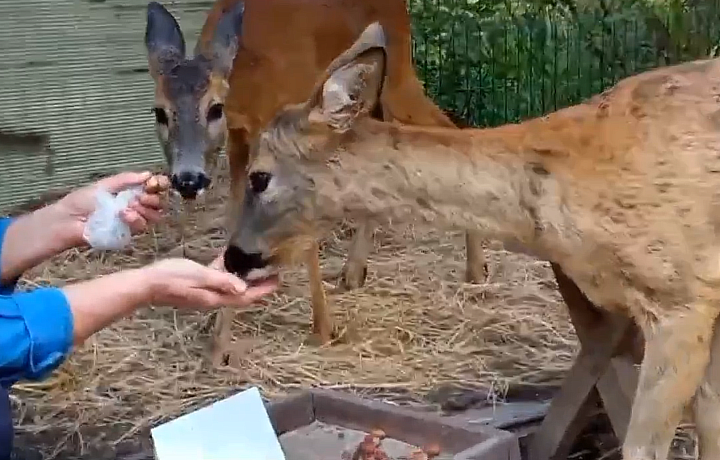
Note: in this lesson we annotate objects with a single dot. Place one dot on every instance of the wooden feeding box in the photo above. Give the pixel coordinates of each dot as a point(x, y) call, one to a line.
point(322, 424)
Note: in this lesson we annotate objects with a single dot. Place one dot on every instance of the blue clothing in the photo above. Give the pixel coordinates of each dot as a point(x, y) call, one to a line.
point(36, 329)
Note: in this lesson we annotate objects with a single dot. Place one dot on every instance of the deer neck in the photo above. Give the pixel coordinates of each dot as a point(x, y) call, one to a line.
point(473, 179)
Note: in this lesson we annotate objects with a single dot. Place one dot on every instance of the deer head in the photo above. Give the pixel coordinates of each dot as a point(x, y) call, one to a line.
point(280, 209)
point(190, 93)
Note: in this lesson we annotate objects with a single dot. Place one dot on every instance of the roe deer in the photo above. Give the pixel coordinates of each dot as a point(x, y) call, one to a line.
point(621, 191)
point(252, 58)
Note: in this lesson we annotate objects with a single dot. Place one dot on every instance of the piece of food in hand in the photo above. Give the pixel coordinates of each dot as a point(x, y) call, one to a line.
point(157, 183)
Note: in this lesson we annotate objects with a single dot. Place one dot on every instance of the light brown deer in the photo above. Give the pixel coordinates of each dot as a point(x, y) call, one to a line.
point(252, 58)
point(622, 191)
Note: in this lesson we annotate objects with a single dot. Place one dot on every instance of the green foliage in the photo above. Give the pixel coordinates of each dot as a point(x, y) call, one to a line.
point(492, 62)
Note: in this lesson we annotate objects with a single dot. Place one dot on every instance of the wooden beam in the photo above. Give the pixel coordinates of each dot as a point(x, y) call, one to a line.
point(617, 388)
point(568, 409)
point(604, 369)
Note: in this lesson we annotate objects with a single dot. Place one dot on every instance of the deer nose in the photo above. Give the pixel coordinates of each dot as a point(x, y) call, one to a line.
point(189, 184)
point(241, 263)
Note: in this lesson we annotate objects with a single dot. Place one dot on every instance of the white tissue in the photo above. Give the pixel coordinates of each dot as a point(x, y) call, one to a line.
point(105, 229)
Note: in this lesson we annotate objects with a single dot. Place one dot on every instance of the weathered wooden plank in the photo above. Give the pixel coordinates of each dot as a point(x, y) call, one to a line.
point(505, 416)
point(617, 387)
point(567, 412)
point(465, 441)
point(603, 336)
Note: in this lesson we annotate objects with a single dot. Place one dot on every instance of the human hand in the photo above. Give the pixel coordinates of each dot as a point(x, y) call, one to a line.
point(185, 284)
point(75, 208)
point(180, 283)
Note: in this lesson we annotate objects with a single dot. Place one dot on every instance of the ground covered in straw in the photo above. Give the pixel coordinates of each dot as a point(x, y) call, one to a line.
point(413, 328)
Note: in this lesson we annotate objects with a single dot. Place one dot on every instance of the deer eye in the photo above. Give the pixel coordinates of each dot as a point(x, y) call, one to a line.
point(161, 116)
point(215, 112)
point(259, 181)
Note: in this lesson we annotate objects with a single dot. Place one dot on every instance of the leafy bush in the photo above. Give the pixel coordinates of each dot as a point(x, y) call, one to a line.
point(493, 62)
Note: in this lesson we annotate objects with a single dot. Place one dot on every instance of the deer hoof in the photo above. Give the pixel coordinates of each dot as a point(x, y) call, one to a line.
point(352, 278)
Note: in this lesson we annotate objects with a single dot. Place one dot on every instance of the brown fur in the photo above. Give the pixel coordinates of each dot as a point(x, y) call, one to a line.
point(622, 191)
point(285, 46)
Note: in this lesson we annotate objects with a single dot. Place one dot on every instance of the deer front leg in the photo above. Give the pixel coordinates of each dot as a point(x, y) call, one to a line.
point(355, 270)
point(222, 337)
point(707, 405)
point(677, 351)
point(322, 322)
point(476, 270)
point(238, 156)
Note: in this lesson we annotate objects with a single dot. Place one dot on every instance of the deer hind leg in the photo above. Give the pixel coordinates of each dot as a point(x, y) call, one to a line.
point(355, 270)
point(476, 270)
point(677, 351)
point(707, 405)
point(322, 322)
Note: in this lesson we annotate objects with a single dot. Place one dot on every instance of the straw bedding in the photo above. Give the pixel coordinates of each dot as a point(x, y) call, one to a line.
point(415, 327)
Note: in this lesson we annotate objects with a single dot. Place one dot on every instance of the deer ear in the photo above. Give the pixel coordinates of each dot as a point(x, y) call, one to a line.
point(163, 39)
point(352, 84)
point(221, 49)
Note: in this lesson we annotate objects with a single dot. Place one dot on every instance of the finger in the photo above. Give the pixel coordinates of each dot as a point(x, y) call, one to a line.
point(200, 299)
point(259, 291)
point(150, 215)
point(252, 295)
point(149, 207)
point(150, 201)
point(223, 282)
point(130, 216)
point(119, 182)
point(133, 220)
point(208, 299)
point(138, 226)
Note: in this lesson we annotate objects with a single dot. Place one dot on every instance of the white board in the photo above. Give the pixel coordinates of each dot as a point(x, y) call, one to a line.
point(236, 428)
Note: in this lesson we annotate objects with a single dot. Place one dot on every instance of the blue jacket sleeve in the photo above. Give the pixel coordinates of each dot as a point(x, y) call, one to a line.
point(36, 330)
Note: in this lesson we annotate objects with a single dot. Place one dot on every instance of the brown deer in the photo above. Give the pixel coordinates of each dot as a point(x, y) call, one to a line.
point(252, 58)
point(621, 191)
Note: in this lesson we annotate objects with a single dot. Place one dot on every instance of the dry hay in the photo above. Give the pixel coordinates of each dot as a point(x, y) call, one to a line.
point(413, 327)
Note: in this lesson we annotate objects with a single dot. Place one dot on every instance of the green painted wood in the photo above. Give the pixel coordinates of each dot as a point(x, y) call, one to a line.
point(75, 94)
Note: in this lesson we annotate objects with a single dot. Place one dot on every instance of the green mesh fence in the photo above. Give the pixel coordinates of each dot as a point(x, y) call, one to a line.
point(490, 67)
